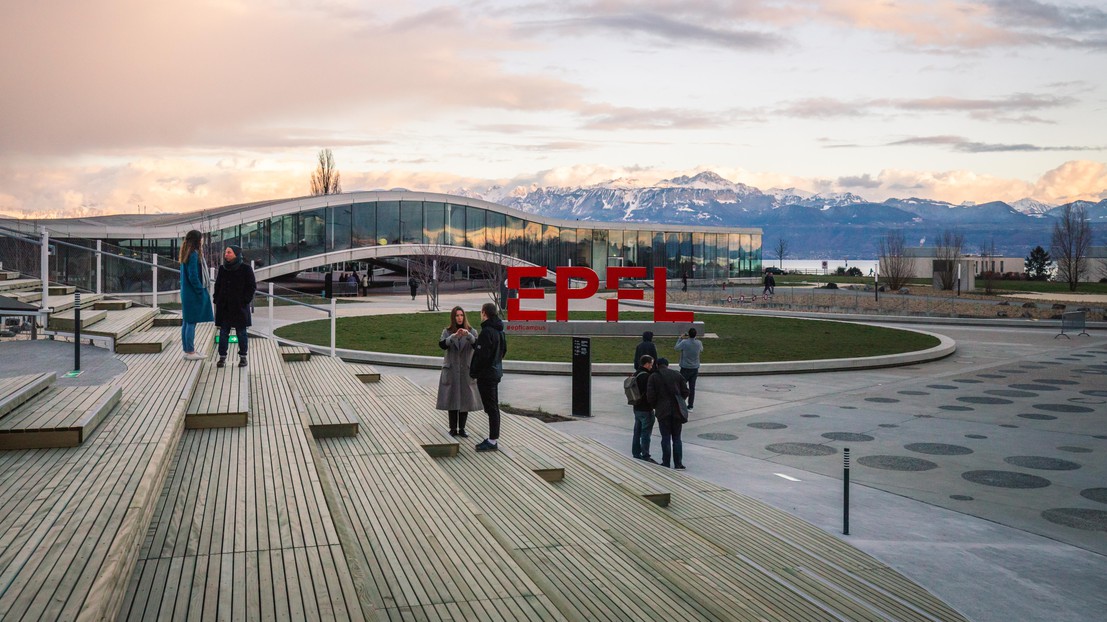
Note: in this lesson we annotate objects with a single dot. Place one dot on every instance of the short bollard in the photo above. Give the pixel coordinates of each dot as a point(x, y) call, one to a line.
point(845, 491)
point(76, 331)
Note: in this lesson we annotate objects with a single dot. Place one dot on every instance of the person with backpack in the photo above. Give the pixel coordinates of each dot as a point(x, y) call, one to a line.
point(643, 412)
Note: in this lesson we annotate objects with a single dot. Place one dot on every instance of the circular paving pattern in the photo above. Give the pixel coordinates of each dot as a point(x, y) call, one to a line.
point(913, 392)
point(938, 449)
point(882, 400)
point(1054, 381)
point(1037, 417)
point(942, 386)
point(956, 408)
point(1095, 393)
point(960, 497)
point(1099, 495)
point(766, 425)
point(1011, 393)
point(1063, 408)
point(1075, 450)
point(1033, 387)
point(718, 436)
point(801, 449)
point(1005, 479)
point(897, 463)
point(1078, 518)
point(976, 436)
point(983, 399)
point(968, 381)
point(1042, 463)
point(847, 436)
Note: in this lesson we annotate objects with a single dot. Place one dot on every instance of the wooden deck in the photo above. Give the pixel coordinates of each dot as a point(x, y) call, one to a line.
point(149, 341)
point(295, 353)
point(330, 419)
point(58, 417)
point(18, 389)
point(222, 397)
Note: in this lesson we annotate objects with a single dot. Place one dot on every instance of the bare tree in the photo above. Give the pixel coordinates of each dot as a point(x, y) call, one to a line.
point(429, 266)
point(781, 250)
point(1072, 235)
point(895, 265)
point(987, 253)
point(947, 253)
point(326, 179)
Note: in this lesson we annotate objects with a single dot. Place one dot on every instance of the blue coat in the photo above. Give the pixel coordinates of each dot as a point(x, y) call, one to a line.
point(195, 300)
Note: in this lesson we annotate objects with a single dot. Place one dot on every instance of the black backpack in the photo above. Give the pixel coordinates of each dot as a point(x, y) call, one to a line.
point(630, 387)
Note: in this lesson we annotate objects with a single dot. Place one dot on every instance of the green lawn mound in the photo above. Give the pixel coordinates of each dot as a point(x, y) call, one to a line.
point(741, 339)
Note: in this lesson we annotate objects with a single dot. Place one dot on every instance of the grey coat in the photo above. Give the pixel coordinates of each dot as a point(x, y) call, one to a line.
point(456, 390)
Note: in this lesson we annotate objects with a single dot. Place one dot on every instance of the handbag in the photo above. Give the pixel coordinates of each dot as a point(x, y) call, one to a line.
point(682, 406)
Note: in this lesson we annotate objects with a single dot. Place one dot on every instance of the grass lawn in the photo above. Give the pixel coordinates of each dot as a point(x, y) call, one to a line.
point(742, 339)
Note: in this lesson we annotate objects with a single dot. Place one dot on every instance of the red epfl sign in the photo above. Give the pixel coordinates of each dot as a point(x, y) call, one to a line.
point(564, 293)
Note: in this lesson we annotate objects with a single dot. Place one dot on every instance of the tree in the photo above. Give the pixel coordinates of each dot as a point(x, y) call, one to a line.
point(781, 250)
point(988, 270)
point(429, 267)
point(895, 265)
point(1038, 264)
point(326, 179)
point(1072, 235)
point(947, 254)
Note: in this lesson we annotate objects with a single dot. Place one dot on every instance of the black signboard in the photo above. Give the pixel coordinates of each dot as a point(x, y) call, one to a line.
point(582, 377)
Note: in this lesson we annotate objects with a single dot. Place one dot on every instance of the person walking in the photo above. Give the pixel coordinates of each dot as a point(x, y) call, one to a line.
point(645, 347)
point(195, 299)
point(663, 390)
point(690, 349)
point(487, 367)
point(643, 412)
point(457, 392)
point(770, 283)
point(413, 286)
point(234, 292)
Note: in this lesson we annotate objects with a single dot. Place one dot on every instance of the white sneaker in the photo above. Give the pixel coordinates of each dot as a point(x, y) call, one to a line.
point(194, 356)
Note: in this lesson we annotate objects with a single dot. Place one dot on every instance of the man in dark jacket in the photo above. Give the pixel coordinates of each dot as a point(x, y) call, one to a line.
point(644, 348)
point(487, 367)
point(234, 292)
point(643, 412)
point(661, 392)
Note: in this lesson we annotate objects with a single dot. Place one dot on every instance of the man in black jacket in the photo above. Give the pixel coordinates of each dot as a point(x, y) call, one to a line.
point(234, 293)
point(487, 367)
point(661, 392)
point(643, 412)
point(645, 347)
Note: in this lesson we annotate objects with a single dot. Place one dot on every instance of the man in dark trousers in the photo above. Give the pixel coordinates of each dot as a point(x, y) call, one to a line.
point(413, 286)
point(643, 412)
point(234, 292)
point(487, 367)
point(661, 392)
point(645, 347)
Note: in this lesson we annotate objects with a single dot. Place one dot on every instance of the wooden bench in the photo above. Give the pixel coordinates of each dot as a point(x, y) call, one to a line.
point(295, 353)
point(16, 390)
point(330, 419)
point(222, 397)
point(58, 417)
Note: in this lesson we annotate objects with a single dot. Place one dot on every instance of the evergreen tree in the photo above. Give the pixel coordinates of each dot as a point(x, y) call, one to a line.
point(1038, 264)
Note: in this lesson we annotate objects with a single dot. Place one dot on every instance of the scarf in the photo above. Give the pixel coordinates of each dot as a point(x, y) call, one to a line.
point(234, 265)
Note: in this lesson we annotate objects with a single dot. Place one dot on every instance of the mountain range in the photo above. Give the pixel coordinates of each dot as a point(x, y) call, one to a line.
point(838, 225)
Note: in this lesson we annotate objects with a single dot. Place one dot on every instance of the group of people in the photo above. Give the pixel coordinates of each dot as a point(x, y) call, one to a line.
point(233, 296)
point(472, 367)
point(662, 393)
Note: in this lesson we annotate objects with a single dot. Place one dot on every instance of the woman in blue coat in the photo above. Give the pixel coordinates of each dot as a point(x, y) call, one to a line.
point(195, 300)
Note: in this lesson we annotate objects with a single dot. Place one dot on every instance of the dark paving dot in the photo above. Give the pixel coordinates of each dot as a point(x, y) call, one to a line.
point(1042, 462)
point(1055, 381)
point(976, 436)
point(1050, 363)
point(810, 416)
point(848, 407)
point(1063, 408)
point(1033, 387)
point(801, 449)
point(1087, 400)
point(924, 416)
point(779, 386)
point(1072, 449)
point(957, 408)
point(897, 463)
point(981, 399)
point(847, 436)
point(1095, 393)
point(960, 497)
point(1098, 495)
point(888, 425)
point(1037, 417)
point(1011, 393)
point(1077, 518)
point(913, 392)
point(1007, 425)
point(1100, 436)
point(1005, 479)
point(1085, 356)
point(717, 436)
point(1029, 366)
point(882, 400)
point(1013, 371)
point(766, 425)
point(968, 381)
point(942, 386)
point(990, 376)
point(938, 449)
point(1092, 372)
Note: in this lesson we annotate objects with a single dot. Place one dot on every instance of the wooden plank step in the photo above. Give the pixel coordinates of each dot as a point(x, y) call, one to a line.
point(20, 284)
point(119, 324)
point(295, 353)
point(17, 390)
point(149, 341)
point(60, 417)
point(426, 426)
point(221, 398)
point(366, 373)
point(113, 305)
point(65, 302)
point(167, 319)
point(331, 419)
point(625, 476)
point(538, 462)
point(8, 276)
point(66, 322)
point(61, 290)
point(28, 295)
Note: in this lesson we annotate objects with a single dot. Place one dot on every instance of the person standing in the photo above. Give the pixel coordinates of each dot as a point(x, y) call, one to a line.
point(195, 299)
point(234, 292)
point(690, 349)
point(413, 286)
point(664, 388)
point(643, 412)
point(645, 347)
point(487, 367)
point(457, 392)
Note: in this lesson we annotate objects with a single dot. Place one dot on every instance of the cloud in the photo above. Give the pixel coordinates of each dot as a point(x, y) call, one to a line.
point(859, 181)
point(666, 28)
point(609, 117)
point(984, 109)
point(964, 145)
point(1072, 181)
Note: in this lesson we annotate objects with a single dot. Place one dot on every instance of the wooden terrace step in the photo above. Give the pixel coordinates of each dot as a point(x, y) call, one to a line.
point(66, 321)
point(65, 302)
point(113, 305)
point(149, 341)
point(61, 290)
point(118, 324)
point(221, 398)
point(295, 353)
point(167, 319)
point(24, 295)
point(59, 417)
point(12, 285)
point(365, 373)
point(8, 276)
point(331, 419)
point(16, 390)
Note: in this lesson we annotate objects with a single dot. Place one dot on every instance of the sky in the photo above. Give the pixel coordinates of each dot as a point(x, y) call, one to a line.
point(124, 106)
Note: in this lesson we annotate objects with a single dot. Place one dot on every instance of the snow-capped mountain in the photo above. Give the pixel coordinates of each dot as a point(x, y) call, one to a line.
point(1031, 207)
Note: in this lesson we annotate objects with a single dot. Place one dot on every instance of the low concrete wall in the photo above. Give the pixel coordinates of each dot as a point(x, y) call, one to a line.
point(600, 328)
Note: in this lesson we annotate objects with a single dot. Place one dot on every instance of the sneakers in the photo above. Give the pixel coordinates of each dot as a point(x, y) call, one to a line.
point(194, 356)
point(487, 445)
point(679, 467)
point(647, 459)
point(222, 362)
point(242, 361)
point(462, 434)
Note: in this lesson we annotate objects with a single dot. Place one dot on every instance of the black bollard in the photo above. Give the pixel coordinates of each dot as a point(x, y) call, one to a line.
point(77, 331)
point(845, 491)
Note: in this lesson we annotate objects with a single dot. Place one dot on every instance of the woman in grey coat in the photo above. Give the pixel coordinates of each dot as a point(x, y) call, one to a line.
point(457, 392)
